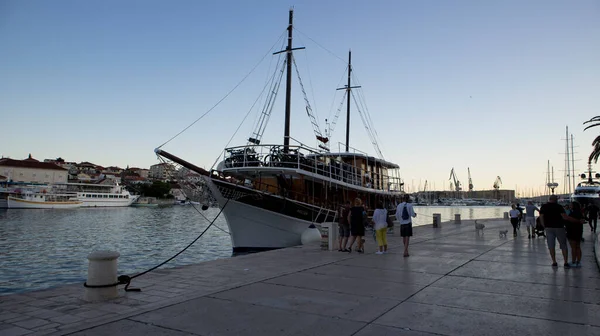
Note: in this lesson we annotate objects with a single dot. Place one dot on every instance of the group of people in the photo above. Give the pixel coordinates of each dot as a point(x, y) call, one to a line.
point(559, 223)
point(353, 220)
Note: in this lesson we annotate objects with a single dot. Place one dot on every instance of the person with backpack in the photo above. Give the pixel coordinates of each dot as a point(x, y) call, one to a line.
point(404, 214)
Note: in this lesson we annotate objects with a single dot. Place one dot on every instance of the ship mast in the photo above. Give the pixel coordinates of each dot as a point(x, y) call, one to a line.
point(348, 89)
point(288, 82)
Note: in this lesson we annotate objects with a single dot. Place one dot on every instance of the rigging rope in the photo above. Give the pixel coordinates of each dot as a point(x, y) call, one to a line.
point(317, 43)
point(369, 132)
point(227, 95)
point(363, 100)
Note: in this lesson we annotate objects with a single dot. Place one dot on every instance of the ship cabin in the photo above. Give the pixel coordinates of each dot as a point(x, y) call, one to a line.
point(318, 178)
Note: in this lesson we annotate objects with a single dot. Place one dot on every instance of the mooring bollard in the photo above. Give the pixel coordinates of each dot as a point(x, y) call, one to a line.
point(506, 215)
point(102, 271)
point(456, 218)
point(437, 220)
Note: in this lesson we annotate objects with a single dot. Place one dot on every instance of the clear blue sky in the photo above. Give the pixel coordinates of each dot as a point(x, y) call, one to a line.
point(479, 84)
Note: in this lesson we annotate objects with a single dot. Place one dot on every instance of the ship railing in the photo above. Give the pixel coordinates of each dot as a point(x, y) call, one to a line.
point(310, 160)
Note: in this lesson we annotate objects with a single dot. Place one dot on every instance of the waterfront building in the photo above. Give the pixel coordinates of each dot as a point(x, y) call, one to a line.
point(31, 170)
point(162, 171)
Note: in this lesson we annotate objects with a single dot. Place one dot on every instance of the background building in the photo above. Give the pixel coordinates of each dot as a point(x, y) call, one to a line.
point(31, 170)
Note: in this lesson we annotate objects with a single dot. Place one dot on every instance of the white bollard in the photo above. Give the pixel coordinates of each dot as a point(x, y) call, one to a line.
point(506, 215)
point(102, 270)
point(437, 220)
point(456, 218)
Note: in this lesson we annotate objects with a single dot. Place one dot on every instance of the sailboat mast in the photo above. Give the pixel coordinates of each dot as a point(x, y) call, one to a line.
point(348, 102)
point(288, 84)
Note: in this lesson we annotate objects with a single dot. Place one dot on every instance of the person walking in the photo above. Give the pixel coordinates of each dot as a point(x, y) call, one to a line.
point(552, 218)
point(574, 228)
point(592, 215)
point(404, 214)
point(520, 216)
point(530, 219)
point(357, 225)
point(344, 227)
point(379, 222)
point(514, 218)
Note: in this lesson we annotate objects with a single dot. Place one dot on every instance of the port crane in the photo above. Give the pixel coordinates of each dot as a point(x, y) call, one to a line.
point(470, 181)
point(497, 184)
point(457, 187)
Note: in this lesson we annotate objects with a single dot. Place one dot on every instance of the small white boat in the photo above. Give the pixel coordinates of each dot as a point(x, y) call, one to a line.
point(185, 202)
point(31, 200)
point(148, 202)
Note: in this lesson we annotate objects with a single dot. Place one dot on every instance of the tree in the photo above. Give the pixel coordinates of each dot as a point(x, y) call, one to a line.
point(595, 154)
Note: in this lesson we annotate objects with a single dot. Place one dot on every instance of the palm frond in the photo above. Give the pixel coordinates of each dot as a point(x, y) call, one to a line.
point(595, 120)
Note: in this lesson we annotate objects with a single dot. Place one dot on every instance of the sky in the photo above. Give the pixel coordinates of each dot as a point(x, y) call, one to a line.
point(488, 86)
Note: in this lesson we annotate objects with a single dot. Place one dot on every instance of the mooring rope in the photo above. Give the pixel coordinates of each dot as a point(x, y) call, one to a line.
point(126, 279)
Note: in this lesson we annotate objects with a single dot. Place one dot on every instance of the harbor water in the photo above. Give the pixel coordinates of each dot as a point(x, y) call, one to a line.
point(48, 248)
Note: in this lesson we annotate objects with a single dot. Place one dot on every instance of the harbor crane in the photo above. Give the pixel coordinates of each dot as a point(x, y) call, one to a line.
point(497, 184)
point(453, 177)
point(470, 181)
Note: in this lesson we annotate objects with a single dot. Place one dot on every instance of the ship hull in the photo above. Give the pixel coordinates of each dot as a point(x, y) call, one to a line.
point(15, 203)
point(261, 221)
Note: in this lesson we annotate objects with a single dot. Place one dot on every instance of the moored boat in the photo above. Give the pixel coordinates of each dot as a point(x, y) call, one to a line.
point(33, 200)
point(271, 193)
point(588, 190)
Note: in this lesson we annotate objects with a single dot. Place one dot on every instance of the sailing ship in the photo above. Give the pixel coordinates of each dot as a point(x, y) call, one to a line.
point(588, 190)
point(271, 193)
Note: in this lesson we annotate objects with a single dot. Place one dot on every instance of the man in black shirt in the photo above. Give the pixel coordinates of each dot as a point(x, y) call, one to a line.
point(552, 217)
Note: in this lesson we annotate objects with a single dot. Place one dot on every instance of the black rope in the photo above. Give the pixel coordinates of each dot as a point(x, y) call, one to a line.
point(126, 279)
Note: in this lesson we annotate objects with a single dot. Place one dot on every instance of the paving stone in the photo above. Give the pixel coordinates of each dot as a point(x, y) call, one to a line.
point(31, 323)
point(352, 286)
point(217, 317)
point(383, 274)
point(526, 273)
point(8, 316)
point(413, 263)
point(379, 330)
point(572, 312)
point(460, 322)
point(347, 306)
point(128, 327)
point(564, 293)
point(10, 330)
point(65, 319)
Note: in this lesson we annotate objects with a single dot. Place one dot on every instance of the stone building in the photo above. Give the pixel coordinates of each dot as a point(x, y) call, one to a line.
point(32, 171)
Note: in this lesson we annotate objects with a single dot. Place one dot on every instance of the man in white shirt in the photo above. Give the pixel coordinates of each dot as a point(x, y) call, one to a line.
point(404, 214)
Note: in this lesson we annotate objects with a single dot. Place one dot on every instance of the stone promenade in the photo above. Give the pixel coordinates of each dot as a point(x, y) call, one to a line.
point(454, 283)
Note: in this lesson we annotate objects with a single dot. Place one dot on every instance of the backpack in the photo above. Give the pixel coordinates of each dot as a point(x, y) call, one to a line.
point(405, 215)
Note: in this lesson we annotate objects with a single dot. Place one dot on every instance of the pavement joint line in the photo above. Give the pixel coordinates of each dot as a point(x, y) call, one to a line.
point(514, 281)
point(292, 310)
point(401, 328)
point(481, 310)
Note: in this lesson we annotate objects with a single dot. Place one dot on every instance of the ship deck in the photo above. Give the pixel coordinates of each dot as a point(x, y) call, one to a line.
point(454, 283)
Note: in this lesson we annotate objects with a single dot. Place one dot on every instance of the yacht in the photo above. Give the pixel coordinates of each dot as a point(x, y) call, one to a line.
point(588, 190)
point(99, 194)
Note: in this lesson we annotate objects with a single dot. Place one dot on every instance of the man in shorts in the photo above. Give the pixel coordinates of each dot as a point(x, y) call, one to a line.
point(530, 219)
point(552, 217)
point(344, 227)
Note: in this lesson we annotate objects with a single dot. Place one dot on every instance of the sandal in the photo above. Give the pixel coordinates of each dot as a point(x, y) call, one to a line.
point(406, 255)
